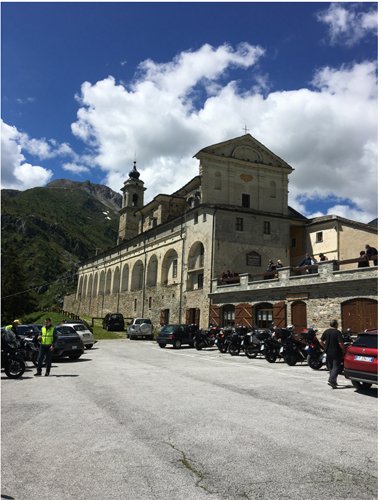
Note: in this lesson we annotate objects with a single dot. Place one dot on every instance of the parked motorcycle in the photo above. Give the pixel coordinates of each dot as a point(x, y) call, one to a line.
point(11, 359)
point(255, 342)
point(273, 346)
point(240, 339)
point(223, 339)
point(316, 356)
point(29, 348)
point(294, 350)
point(205, 338)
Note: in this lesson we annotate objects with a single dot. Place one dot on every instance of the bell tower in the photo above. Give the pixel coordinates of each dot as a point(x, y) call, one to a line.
point(132, 200)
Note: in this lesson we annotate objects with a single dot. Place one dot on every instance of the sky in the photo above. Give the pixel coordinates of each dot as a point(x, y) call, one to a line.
point(87, 88)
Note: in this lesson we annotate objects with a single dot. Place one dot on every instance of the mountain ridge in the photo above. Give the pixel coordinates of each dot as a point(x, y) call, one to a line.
point(52, 229)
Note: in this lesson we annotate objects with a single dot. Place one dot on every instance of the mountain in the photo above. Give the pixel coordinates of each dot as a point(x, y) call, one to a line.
point(53, 229)
point(374, 223)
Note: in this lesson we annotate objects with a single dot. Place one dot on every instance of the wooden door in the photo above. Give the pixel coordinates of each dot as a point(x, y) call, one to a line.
point(164, 316)
point(359, 315)
point(215, 318)
point(279, 314)
point(298, 313)
point(244, 315)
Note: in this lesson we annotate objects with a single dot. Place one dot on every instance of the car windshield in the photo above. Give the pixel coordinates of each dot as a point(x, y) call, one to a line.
point(366, 340)
point(66, 331)
point(168, 329)
point(117, 317)
point(79, 328)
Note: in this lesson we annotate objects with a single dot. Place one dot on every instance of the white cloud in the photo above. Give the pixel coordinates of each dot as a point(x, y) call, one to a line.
point(346, 25)
point(15, 172)
point(44, 149)
point(327, 133)
point(75, 168)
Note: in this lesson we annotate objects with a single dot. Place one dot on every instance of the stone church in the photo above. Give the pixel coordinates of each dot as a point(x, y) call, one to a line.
point(174, 252)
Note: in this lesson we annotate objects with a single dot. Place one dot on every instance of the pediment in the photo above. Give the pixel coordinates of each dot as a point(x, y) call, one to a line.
point(245, 148)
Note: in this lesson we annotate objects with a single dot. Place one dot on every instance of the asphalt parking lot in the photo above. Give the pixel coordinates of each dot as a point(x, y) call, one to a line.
point(132, 421)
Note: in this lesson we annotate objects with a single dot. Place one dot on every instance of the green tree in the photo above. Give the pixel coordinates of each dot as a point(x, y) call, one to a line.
point(16, 300)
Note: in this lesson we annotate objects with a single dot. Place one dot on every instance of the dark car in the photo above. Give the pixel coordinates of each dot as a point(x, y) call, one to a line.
point(68, 343)
point(27, 331)
point(361, 360)
point(176, 335)
point(113, 322)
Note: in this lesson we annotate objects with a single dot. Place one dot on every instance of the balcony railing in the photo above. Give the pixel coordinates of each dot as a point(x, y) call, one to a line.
point(294, 275)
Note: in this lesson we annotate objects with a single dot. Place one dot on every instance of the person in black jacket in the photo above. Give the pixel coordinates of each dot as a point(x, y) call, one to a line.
point(333, 343)
point(363, 259)
point(372, 252)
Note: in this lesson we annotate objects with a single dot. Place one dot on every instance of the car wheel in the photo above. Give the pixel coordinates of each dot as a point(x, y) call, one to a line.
point(89, 346)
point(162, 345)
point(75, 356)
point(177, 344)
point(361, 385)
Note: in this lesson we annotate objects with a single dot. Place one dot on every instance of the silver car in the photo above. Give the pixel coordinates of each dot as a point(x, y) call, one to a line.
point(85, 334)
point(140, 328)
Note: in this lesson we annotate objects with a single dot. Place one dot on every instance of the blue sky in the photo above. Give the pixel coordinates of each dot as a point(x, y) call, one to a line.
point(87, 87)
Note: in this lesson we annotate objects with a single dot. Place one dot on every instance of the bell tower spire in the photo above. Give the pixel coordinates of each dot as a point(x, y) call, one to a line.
point(132, 200)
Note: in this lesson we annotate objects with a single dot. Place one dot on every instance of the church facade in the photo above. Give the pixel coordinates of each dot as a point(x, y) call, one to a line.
point(230, 220)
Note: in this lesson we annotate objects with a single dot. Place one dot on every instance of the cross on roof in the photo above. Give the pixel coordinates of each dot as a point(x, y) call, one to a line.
point(246, 130)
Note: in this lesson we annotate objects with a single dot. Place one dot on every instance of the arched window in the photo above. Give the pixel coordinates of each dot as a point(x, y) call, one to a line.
point(152, 271)
point(108, 282)
point(196, 256)
point(116, 280)
point(135, 199)
point(79, 288)
point(85, 286)
point(137, 276)
point(101, 289)
point(90, 286)
point(95, 285)
point(170, 268)
point(125, 278)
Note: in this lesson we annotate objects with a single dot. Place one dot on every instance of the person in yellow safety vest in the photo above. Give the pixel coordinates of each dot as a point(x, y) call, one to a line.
point(11, 331)
point(47, 338)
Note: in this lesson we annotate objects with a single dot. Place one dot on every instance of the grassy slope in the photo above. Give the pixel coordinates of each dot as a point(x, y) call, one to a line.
point(99, 333)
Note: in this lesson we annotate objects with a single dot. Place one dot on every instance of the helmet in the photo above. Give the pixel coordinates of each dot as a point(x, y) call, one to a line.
point(17, 321)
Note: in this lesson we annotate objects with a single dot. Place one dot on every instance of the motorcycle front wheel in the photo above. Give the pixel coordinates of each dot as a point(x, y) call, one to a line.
point(199, 346)
point(271, 356)
point(290, 358)
point(251, 351)
point(15, 367)
point(234, 350)
point(314, 362)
